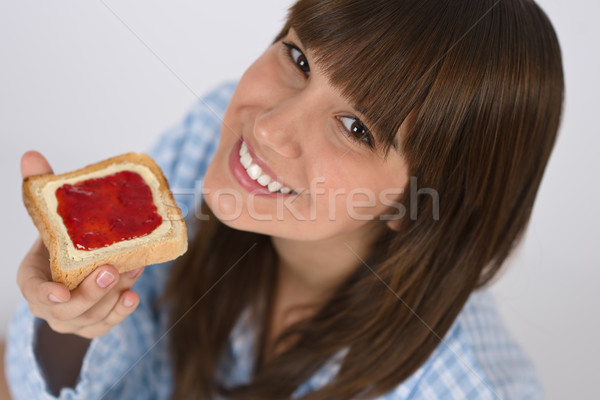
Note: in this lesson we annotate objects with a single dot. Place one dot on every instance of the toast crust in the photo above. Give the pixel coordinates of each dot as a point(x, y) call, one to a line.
point(157, 250)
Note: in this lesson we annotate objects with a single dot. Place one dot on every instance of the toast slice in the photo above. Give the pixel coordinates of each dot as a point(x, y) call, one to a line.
point(70, 262)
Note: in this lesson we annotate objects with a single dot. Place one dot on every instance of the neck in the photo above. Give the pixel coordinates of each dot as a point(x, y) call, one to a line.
point(308, 274)
point(310, 271)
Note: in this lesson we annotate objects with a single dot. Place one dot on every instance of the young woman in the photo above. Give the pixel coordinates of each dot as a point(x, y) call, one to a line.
point(374, 169)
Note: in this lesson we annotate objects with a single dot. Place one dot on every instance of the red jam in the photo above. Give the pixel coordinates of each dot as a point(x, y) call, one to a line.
point(101, 211)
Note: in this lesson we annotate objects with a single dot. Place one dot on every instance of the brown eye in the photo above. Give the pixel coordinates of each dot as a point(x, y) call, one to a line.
point(298, 58)
point(357, 131)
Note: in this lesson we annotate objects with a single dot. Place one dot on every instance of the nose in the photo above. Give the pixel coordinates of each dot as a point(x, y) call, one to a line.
point(279, 129)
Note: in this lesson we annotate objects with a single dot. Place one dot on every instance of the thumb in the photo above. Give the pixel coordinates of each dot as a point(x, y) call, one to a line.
point(34, 163)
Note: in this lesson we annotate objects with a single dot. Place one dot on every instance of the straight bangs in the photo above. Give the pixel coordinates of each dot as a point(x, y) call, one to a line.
point(376, 55)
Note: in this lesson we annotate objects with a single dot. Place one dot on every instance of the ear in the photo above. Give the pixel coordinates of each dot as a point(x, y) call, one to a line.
point(393, 225)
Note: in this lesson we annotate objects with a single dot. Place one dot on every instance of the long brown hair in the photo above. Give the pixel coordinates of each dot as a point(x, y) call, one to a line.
point(481, 83)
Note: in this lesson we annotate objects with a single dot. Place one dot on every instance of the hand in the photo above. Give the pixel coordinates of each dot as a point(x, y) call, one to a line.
point(100, 302)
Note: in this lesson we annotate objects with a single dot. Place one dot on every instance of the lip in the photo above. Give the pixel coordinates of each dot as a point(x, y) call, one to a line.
point(240, 174)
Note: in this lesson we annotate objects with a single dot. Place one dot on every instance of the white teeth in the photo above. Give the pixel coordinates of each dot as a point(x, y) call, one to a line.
point(264, 179)
point(274, 186)
point(243, 149)
point(255, 172)
point(246, 160)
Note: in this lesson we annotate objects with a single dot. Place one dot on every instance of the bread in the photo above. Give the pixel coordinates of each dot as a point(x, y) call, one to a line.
point(70, 264)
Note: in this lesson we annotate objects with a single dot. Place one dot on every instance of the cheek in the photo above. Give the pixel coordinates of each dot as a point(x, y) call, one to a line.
point(359, 195)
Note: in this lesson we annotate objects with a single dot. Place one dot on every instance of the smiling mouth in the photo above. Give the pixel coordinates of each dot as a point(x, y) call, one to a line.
point(256, 173)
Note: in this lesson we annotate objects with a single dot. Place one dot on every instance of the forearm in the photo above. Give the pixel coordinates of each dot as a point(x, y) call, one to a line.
point(60, 357)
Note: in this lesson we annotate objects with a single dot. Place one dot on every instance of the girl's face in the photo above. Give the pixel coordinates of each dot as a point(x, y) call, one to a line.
point(308, 169)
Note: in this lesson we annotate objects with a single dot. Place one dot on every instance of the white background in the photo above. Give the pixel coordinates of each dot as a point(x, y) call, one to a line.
point(83, 81)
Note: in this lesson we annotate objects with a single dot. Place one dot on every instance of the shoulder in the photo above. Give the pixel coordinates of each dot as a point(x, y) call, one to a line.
point(477, 359)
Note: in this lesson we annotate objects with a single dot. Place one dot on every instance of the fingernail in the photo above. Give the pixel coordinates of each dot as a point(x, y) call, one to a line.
point(127, 302)
point(133, 273)
point(54, 299)
point(105, 279)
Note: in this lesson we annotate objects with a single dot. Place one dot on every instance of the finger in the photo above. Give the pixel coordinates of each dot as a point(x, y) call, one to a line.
point(126, 305)
point(34, 278)
point(91, 290)
point(128, 302)
point(106, 304)
point(38, 257)
point(133, 275)
point(100, 310)
point(34, 163)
